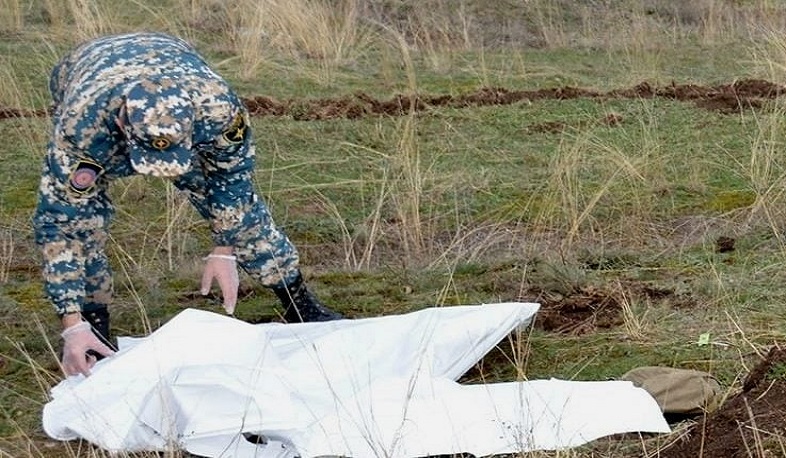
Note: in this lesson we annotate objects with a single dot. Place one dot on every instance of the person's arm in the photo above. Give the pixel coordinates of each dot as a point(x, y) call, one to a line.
point(70, 319)
point(221, 266)
point(64, 221)
point(229, 199)
point(230, 194)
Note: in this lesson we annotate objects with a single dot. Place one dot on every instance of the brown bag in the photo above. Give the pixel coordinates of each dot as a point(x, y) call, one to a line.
point(678, 391)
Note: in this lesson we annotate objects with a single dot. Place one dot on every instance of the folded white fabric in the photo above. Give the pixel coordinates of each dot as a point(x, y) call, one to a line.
point(385, 386)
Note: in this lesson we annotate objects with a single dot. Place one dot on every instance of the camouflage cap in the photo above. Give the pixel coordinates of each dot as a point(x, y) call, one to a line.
point(158, 124)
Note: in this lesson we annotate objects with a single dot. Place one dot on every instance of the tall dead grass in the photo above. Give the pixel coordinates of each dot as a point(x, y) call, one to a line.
point(765, 173)
point(12, 16)
point(333, 33)
point(79, 19)
point(327, 32)
point(592, 184)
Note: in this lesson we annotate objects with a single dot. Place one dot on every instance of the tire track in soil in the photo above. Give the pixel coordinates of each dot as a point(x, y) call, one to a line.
point(727, 98)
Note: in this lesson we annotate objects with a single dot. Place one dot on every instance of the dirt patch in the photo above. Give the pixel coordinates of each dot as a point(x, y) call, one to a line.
point(589, 308)
point(725, 244)
point(748, 423)
point(725, 98)
point(12, 113)
point(579, 312)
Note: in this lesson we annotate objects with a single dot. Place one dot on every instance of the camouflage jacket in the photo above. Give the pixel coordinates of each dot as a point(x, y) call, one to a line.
point(88, 88)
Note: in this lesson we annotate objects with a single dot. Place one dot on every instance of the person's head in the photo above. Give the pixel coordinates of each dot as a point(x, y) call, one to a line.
point(157, 118)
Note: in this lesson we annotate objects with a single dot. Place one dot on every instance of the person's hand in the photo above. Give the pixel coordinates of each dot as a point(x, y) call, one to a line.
point(77, 341)
point(223, 269)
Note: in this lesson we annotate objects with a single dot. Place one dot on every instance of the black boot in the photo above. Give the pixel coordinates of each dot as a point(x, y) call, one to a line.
point(300, 305)
point(99, 322)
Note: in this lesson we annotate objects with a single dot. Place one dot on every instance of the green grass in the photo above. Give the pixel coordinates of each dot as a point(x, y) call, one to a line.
point(507, 210)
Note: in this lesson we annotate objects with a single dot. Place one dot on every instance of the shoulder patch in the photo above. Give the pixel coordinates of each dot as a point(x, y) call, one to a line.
point(236, 132)
point(83, 178)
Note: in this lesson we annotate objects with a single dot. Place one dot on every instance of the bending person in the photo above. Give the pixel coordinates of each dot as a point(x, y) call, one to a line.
point(148, 103)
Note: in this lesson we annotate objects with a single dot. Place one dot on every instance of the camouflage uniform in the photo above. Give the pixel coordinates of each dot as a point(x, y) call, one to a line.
point(181, 121)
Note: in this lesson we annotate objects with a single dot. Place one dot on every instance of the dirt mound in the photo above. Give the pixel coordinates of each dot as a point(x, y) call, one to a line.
point(579, 312)
point(748, 424)
point(10, 113)
point(589, 308)
point(725, 98)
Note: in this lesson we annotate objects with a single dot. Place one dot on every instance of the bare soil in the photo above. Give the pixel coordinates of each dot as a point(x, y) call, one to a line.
point(725, 98)
point(586, 309)
point(748, 423)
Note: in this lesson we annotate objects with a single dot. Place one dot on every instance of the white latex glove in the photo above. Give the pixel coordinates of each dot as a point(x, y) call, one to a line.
point(77, 340)
point(223, 269)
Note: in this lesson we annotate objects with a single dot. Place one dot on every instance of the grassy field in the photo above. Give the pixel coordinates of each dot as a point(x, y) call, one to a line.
point(597, 201)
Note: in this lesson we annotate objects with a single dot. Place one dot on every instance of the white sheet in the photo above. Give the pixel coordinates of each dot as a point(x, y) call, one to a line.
point(358, 388)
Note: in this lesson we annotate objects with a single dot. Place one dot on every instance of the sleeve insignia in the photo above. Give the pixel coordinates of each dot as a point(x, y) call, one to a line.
point(83, 178)
point(236, 132)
